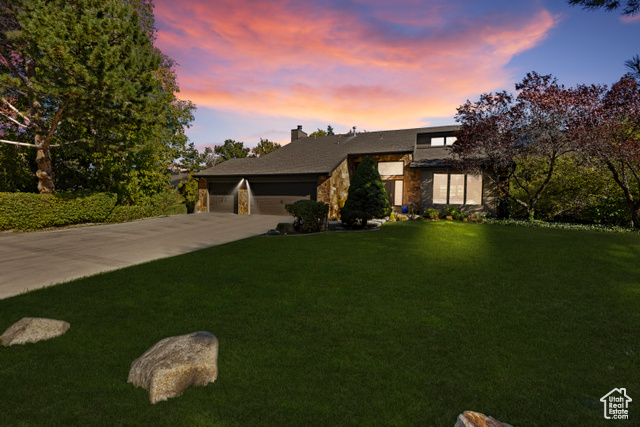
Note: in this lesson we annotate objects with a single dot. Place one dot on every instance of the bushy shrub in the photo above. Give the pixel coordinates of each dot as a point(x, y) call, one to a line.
point(310, 216)
point(30, 211)
point(453, 211)
point(285, 228)
point(367, 197)
point(432, 213)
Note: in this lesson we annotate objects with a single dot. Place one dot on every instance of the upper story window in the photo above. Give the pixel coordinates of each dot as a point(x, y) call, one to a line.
point(390, 168)
point(435, 140)
point(441, 141)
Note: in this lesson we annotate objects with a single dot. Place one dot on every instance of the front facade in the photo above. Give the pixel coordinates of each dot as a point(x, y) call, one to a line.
point(414, 165)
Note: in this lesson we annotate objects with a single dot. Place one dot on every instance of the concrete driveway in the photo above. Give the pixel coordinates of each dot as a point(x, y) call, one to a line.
point(38, 259)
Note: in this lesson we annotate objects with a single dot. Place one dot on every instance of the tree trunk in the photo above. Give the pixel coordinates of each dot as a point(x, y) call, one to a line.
point(45, 170)
point(635, 214)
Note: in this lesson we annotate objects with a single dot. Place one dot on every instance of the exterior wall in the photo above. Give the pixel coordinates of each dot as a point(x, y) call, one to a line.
point(203, 196)
point(333, 190)
point(489, 194)
point(411, 177)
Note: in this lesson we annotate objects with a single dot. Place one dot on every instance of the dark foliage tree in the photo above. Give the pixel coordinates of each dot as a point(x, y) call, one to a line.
point(367, 197)
point(230, 150)
point(264, 147)
point(610, 134)
point(321, 132)
point(519, 139)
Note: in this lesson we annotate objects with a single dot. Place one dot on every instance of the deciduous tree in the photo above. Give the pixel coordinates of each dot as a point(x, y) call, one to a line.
point(611, 135)
point(231, 150)
point(519, 139)
point(264, 147)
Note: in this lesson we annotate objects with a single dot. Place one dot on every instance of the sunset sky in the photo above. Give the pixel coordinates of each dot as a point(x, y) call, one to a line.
point(258, 68)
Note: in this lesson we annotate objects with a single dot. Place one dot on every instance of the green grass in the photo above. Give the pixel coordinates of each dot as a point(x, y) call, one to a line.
point(409, 325)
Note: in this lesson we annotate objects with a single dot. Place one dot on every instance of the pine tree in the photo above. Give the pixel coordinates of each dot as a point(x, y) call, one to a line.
point(367, 197)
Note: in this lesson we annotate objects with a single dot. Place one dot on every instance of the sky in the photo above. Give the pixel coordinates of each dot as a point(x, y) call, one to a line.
point(259, 68)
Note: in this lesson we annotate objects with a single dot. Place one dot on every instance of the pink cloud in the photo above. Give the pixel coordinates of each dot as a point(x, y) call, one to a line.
point(630, 19)
point(369, 63)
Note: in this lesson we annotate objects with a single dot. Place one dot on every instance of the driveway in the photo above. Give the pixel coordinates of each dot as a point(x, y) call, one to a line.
point(38, 259)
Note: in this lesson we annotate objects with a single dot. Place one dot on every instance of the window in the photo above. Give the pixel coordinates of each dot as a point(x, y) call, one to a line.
point(457, 189)
point(440, 141)
point(390, 168)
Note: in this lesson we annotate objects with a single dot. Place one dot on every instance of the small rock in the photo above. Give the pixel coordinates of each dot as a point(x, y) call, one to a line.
point(33, 329)
point(175, 363)
point(476, 419)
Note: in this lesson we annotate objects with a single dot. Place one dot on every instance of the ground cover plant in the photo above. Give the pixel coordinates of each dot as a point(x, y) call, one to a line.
point(408, 325)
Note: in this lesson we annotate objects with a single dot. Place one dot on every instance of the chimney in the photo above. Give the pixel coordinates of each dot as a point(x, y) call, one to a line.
point(297, 133)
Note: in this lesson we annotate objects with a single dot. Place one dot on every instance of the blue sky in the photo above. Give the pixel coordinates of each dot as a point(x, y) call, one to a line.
point(258, 68)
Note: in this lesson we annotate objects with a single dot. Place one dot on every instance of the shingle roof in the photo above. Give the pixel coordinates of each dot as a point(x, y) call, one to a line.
point(321, 155)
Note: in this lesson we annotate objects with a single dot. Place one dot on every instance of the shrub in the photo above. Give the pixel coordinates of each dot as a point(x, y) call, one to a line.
point(310, 216)
point(453, 211)
point(147, 206)
point(432, 214)
point(30, 211)
point(367, 197)
point(285, 228)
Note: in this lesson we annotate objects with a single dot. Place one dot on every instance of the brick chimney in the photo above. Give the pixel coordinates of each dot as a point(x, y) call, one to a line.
point(297, 133)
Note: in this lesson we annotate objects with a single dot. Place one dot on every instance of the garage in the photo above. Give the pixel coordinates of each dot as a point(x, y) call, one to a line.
point(223, 197)
point(269, 198)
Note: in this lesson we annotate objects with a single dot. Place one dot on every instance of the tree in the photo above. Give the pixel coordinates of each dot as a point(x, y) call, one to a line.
point(519, 139)
point(264, 147)
point(610, 134)
point(231, 150)
point(321, 132)
point(367, 197)
point(80, 69)
point(631, 8)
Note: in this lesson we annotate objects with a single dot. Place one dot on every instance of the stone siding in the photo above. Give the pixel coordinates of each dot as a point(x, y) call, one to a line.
point(203, 196)
point(243, 201)
point(410, 177)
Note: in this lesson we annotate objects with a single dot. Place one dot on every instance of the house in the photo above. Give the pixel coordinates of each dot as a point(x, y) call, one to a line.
point(414, 165)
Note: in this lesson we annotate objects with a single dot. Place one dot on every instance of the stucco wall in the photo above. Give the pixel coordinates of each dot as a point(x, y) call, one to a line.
point(489, 194)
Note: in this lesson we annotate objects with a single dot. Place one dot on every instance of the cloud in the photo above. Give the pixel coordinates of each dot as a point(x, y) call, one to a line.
point(371, 62)
point(630, 19)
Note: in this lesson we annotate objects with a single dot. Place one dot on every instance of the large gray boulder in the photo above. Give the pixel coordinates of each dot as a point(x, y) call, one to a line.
point(175, 363)
point(476, 419)
point(33, 329)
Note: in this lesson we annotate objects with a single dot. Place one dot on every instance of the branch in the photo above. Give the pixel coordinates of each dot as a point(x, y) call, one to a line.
point(56, 120)
point(13, 120)
point(24, 144)
point(16, 110)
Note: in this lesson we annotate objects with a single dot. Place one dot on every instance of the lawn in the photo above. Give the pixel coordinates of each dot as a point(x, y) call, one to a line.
point(408, 325)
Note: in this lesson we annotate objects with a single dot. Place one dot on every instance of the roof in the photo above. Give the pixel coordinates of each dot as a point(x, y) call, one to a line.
point(322, 154)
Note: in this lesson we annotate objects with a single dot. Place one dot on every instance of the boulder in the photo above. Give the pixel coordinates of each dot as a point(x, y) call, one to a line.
point(175, 363)
point(476, 419)
point(33, 329)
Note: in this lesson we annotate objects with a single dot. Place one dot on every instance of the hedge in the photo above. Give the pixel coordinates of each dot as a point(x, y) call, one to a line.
point(29, 211)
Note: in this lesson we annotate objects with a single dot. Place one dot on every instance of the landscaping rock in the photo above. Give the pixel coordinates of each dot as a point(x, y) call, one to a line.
point(33, 329)
point(175, 363)
point(476, 419)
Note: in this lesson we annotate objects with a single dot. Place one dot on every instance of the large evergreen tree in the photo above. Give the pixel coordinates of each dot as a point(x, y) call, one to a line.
point(367, 197)
point(83, 76)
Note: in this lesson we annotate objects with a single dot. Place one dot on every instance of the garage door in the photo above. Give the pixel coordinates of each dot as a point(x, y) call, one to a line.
point(270, 198)
point(223, 197)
